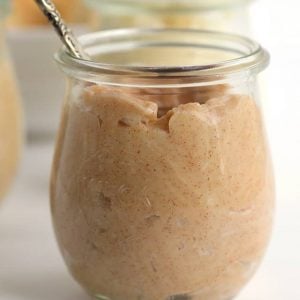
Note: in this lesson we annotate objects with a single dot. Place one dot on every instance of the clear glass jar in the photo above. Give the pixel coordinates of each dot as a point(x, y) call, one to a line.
point(10, 112)
point(162, 182)
point(222, 15)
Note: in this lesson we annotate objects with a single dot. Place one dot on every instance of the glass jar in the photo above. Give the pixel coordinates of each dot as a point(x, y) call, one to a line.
point(10, 112)
point(162, 182)
point(222, 15)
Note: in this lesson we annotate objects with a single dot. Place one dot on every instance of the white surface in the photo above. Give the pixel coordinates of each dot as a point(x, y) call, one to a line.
point(31, 267)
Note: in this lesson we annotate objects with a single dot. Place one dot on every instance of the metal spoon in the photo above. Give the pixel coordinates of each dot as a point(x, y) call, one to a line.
point(64, 32)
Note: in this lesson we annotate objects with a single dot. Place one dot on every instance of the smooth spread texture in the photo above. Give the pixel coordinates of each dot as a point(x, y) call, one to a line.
point(149, 207)
point(10, 127)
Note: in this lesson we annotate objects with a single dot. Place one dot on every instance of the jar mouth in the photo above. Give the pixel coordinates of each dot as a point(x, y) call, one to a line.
point(143, 55)
point(167, 5)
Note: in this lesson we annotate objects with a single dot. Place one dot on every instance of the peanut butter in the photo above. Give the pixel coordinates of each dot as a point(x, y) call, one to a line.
point(162, 198)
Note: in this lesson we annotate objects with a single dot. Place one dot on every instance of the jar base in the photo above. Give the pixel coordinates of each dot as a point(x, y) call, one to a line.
point(174, 297)
point(101, 297)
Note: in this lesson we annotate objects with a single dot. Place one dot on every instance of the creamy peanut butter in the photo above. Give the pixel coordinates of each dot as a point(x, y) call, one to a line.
point(10, 127)
point(154, 197)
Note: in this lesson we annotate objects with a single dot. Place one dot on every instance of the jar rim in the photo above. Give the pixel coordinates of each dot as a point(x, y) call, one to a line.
point(250, 57)
point(166, 5)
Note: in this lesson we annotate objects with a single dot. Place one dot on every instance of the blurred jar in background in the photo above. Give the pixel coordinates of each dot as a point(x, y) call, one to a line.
point(10, 112)
point(222, 15)
point(26, 13)
point(32, 44)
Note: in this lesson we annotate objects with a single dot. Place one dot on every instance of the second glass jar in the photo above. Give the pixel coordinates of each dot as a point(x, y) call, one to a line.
point(222, 15)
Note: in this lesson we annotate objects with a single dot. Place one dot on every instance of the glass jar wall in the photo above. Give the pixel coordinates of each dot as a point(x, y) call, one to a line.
point(162, 182)
point(220, 15)
point(10, 112)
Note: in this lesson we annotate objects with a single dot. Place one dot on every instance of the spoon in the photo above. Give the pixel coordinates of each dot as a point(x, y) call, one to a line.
point(64, 32)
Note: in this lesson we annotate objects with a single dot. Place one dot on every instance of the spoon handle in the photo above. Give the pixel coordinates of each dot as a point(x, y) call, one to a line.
point(64, 32)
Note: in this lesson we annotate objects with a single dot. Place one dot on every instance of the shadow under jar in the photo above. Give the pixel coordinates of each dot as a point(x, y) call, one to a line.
point(223, 15)
point(162, 183)
point(10, 111)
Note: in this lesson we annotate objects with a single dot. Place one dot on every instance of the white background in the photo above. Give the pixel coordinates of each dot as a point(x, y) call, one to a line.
point(31, 267)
